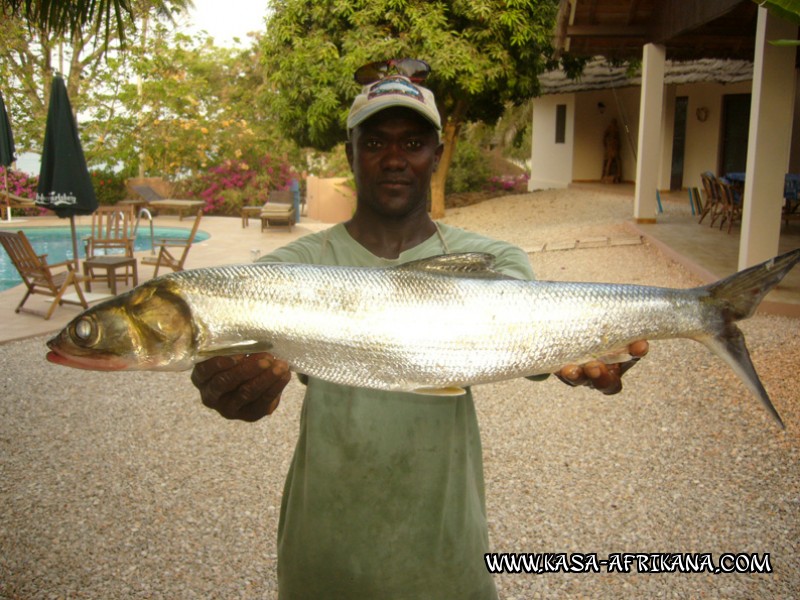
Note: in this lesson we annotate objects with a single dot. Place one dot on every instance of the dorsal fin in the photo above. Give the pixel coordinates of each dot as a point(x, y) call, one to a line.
point(463, 264)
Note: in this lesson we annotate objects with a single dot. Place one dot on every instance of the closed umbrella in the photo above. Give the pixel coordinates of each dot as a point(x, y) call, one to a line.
point(7, 150)
point(64, 183)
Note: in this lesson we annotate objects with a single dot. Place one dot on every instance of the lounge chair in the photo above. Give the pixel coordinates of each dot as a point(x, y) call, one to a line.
point(165, 258)
point(38, 276)
point(158, 202)
point(279, 210)
point(9, 201)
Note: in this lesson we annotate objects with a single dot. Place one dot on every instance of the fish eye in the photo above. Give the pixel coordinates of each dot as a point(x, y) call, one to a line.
point(84, 330)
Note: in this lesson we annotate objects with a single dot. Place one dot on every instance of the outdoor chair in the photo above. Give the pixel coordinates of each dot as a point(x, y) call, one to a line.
point(112, 232)
point(713, 206)
point(9, 201)
point(279, 210)
point(147, 193)
point(731, 205)
point(175, 258)
point(38, 276)
point(110, 246)
point(157, 202)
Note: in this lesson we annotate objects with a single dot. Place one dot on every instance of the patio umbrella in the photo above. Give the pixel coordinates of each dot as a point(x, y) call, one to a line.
point(7, 150)
point(64, 183)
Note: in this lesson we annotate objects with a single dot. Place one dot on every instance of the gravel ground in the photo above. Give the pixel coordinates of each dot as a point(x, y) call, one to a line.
point(122, 485)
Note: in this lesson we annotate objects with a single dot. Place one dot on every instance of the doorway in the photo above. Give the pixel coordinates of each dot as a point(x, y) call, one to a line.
point(735, 130)
point(678, 143)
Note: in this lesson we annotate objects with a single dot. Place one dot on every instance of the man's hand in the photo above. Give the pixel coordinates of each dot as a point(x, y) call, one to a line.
point(245, 386)
point(600, 376)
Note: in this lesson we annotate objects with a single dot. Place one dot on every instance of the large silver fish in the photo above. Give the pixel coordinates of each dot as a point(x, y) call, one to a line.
point(429, 326)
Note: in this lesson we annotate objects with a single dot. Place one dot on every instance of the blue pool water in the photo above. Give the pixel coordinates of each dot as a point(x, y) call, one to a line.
point(56, 242)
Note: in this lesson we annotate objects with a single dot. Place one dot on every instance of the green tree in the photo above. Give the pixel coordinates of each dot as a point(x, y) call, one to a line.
point(196, 106)
point(30, 54)
point(172, 103)
point(66, 18)
point(484, 54)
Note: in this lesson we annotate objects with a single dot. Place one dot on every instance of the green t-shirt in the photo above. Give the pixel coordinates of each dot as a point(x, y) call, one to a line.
point(385, 494)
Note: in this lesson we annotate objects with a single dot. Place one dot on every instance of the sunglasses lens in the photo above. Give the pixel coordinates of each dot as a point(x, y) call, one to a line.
point(372, 72)
point(415, 70)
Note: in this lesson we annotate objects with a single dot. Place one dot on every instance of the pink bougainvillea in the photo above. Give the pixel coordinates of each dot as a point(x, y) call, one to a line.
point(225, 188)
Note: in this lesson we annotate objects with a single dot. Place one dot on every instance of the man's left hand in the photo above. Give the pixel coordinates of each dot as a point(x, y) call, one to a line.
point(600, 376)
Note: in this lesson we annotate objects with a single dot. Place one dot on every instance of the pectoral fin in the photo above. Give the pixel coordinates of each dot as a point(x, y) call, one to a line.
point(243, 347)
point(443, 391)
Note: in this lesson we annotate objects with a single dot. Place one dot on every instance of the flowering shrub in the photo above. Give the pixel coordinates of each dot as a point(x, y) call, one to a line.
point(227, 187)
point(22, 185)
point(508, 183)
point(19, 183)
point(109, 187)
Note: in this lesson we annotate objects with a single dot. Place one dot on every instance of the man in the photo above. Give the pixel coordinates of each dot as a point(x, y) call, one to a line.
point(385, 494)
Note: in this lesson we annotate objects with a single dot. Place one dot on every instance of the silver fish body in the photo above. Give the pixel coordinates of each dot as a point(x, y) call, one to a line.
point(444, 322)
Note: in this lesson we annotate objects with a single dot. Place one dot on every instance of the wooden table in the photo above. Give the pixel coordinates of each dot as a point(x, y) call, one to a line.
point(182, 206)
point(249, 211)
point(110, 264)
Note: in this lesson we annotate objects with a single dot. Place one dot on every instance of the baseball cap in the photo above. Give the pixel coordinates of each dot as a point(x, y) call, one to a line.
point(392, 91)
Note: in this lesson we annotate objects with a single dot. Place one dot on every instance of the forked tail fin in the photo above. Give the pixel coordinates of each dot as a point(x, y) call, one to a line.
point(742, 292)
point(737, 298)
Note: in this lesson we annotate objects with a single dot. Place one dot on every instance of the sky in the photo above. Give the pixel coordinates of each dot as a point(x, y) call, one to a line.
point(224, 22)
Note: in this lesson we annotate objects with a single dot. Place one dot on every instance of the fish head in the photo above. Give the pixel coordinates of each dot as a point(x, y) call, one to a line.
point(148, 328)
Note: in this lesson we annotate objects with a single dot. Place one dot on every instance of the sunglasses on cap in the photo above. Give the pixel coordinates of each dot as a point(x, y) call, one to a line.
point(416, 70)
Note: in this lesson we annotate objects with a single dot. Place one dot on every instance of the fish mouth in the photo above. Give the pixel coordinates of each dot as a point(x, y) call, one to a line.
point(95, 363)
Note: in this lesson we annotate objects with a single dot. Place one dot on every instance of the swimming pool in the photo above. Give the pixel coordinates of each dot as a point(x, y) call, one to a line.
point(56, 242)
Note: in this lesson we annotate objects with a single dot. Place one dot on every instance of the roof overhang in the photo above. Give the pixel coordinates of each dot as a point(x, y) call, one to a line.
point(618, 29)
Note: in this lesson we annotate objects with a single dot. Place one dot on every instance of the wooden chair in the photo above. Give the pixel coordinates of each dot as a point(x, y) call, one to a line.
point(112, 235)
point(279, 210)
point(731, 205)
point(112, 231)
point(165, 258)
point(38, 276)
point(712, 206)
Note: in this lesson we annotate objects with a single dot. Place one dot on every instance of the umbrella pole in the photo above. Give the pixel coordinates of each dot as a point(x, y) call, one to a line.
point(8, 198)
point(74, 241)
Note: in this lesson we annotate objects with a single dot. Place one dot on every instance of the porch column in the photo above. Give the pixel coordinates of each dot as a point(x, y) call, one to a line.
point(771, 115)
point(648, 156)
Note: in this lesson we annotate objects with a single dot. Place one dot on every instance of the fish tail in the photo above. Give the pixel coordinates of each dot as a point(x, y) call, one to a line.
point(737, 297)
point(742, 292)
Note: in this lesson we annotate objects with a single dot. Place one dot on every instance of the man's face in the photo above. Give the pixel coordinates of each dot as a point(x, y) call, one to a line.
point(393, 156)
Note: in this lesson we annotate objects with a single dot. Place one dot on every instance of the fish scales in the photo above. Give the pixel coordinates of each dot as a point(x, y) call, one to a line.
point(431, 326)
point(370, 328)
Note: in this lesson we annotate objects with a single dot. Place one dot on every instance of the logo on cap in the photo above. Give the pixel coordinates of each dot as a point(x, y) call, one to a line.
point(395, 85)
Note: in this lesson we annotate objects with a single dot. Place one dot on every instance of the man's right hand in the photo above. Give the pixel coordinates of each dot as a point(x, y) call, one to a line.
point(244, 386)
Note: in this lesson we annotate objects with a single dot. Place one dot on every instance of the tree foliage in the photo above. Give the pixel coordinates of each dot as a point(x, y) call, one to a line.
point(484, 54)
point(110, 19)
point(169, 103)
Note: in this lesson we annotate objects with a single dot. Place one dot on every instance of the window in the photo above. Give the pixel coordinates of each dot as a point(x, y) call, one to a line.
point(561, 123)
